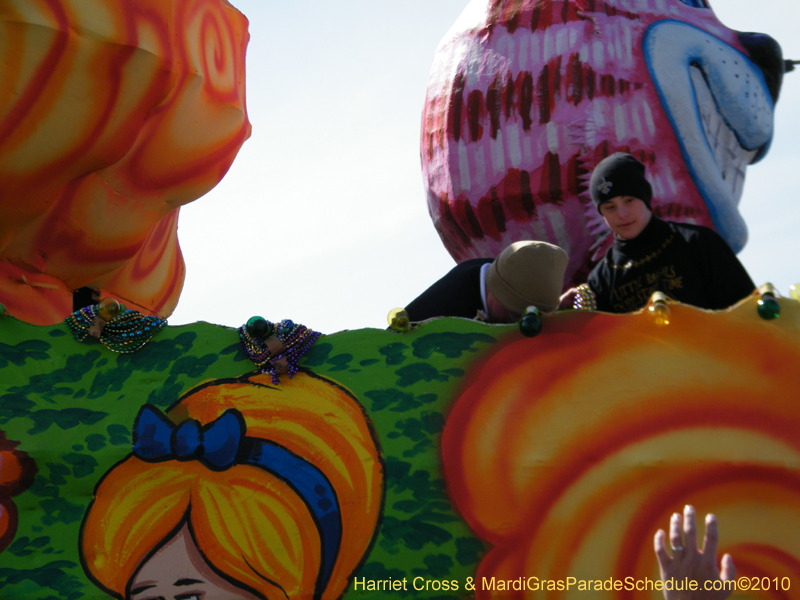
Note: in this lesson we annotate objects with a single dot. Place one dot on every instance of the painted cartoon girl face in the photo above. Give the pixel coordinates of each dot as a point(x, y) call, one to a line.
point(179, 572)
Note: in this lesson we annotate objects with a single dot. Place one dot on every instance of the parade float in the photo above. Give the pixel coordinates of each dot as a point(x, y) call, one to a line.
point(447, 459)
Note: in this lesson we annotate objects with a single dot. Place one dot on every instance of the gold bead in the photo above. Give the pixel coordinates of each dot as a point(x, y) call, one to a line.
point(398, 319)
point(108, 309)
point(660, 313)
point(658, 309)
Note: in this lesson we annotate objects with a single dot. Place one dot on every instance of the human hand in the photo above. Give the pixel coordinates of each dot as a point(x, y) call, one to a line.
point(567, 300)
point(687, 562)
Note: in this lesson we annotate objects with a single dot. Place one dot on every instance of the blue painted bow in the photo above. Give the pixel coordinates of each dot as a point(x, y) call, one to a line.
point(218, 444)
point(156, 438)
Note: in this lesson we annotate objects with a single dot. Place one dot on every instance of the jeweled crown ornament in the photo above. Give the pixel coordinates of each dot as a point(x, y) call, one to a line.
point(276, 349)
point(115, 327)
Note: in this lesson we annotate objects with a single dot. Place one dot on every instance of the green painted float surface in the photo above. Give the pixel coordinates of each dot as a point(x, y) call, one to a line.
point(71, 406)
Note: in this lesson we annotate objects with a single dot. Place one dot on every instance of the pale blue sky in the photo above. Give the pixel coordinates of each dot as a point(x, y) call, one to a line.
point(322, 218)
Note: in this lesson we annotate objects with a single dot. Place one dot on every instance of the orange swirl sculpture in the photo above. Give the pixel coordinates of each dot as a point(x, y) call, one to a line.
point(112, 116)
point(568, 451)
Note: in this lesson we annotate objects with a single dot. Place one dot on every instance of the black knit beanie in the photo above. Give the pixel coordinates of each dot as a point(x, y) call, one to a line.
point(619, 175)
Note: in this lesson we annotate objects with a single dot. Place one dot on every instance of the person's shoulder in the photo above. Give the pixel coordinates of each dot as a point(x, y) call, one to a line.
point(471, 264)
point(476, 261)
point(695, 233)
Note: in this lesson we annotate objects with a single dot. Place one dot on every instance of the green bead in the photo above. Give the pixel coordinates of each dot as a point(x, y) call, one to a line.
point(768, 307)
point(258, 327)
point(531, 324)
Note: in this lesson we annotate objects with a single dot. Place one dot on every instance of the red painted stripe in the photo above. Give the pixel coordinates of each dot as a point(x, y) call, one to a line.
point(487, 214)
point(494, 104)
point(455, 106)
point(508, 90)
point(450, 228)
point(543, 95)
point(590, 81)
point(574, 172)
point(575, 79)
point(467, 220)
point(525, 86)
point(515, 191)
point(475, 113)
point(512, 14)
point(536, 16)
point(550, 188)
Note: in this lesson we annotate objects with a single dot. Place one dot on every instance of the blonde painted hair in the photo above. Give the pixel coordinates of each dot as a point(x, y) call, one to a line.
point(249, 524)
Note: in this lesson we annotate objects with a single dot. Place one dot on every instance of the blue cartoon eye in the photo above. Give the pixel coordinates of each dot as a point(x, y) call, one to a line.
point(696, 3)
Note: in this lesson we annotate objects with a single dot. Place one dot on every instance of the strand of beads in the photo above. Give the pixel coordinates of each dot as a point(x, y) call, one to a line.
point(130, 331)
point(252, 335)
point(276, 349)
point(585, 298)
point(124, 332)
point(80, 321)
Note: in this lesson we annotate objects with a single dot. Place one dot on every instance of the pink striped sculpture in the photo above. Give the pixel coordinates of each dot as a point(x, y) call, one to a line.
point(526, 96)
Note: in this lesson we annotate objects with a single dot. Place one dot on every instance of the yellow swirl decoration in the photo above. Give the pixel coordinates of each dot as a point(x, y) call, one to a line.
point(112, 115)
point(210, 50)
point(568, 451)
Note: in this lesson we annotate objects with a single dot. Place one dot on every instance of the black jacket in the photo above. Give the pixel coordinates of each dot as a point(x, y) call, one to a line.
point(457, 294)
point(689, 263)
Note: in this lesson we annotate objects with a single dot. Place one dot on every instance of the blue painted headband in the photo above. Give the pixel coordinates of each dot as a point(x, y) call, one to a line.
point(222, 444)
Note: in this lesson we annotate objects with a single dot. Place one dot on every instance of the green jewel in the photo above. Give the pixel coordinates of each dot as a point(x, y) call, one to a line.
point(768, 307)
point(258, 327)
point(531, 324)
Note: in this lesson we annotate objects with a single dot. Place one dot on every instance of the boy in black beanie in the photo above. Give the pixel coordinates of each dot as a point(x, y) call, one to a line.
point(689, 263)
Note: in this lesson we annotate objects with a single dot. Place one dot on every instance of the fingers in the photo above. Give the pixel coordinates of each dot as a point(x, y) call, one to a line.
point(567, 299)
point(711, 537)
point(676, 532)
point(690, 529)
point(686, 558)
point(663, 557)
point(570, 293)
point(728, 572)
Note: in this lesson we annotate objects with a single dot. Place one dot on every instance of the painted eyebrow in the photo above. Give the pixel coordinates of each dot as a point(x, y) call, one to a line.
point(141, 588)
point(187, 582)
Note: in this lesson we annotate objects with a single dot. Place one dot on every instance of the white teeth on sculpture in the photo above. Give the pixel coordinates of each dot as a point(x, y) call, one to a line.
point(721, 110)
point(731, 158)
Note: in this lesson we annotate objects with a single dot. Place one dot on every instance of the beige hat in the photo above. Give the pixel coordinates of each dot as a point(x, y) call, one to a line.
point(528, 273)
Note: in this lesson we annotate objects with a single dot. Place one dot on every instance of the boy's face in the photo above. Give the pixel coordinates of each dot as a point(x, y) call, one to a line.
point(626, 216)
point(497, 312)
